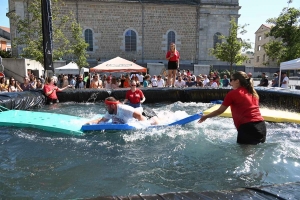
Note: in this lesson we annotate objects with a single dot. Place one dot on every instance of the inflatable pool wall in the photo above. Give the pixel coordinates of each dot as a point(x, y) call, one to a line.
point(269, 97)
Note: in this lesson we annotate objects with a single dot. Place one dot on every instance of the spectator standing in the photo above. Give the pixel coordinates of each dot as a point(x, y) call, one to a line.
point(206, 80)
point(285, 81)
point(179, 82)
point(160, 81)
point(72, 81)
point(154, 81)
point(198, 82)
point(225, 81)
point(173, 57)
point(146, 80)
point(39, 84)
point(50, 90)
point(275, 81)
point(80, 84)
point(96, 83)
point(25, 85)
point(3, 85)
point(264, 82)
point(189, 82)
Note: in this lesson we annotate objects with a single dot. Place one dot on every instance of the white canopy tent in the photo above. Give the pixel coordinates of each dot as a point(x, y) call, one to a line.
point(289, 65)
point(71, 68)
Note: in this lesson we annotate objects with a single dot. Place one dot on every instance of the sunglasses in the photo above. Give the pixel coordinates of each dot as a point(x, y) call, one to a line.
point(133, 85)
point(233, 79)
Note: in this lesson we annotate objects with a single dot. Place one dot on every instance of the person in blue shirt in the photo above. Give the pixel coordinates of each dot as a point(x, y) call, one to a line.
point(225, 81)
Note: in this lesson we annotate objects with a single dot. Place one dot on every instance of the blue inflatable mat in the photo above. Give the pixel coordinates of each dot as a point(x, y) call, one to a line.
point(41, 120)
point(110, 126)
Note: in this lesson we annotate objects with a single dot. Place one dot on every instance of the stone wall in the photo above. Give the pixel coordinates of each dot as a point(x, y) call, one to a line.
point(194, 26)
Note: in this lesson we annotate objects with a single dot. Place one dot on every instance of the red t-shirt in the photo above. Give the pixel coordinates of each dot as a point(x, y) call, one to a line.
point(134, 97)
point(48, 88)
point(244, 107)
point(173, 58)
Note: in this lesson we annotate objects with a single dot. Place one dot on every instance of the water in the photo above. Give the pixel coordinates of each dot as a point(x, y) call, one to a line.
point(195, 157)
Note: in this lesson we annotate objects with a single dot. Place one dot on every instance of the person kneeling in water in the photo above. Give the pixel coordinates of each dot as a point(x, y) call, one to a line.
point(121, 114)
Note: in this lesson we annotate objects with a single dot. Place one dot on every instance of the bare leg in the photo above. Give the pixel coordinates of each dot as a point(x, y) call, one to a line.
point(169, 77)
point(174, 77)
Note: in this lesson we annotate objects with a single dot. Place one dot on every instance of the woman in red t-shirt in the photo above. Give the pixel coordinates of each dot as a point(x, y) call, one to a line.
point(50, 90)
point(173, 57)
point(244, 103)
point(134, 96)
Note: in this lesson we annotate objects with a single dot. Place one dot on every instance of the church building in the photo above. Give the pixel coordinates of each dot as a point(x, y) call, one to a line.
point(143, 29)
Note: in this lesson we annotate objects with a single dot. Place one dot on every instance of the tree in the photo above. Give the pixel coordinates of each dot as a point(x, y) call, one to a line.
point(286, 32)
point(5, 54)
point(79, 46)
point(29, 31)
point(230, 51)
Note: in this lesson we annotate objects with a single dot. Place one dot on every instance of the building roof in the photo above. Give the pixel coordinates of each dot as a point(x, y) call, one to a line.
point(265, 27)
point(5, 29)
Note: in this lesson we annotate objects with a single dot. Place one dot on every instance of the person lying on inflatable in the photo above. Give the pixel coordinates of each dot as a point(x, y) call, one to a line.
point(120, 113)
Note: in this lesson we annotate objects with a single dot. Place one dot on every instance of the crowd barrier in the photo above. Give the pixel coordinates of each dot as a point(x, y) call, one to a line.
point(275, 98)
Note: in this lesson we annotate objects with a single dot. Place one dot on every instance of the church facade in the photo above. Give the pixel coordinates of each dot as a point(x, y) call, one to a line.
point(143, 29)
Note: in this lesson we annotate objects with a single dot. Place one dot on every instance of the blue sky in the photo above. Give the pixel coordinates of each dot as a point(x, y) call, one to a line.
point(253, 12)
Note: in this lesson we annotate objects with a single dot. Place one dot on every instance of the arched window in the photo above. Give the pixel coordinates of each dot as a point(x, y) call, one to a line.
point(171, 37)
point(130, 40)
point(217, 39)
point(88, 36)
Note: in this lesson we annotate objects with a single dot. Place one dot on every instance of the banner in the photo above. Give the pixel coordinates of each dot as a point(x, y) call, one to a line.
point(47, 34)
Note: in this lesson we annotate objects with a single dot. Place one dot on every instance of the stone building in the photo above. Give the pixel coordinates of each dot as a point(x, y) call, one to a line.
point(260, 57)
point(143, 29)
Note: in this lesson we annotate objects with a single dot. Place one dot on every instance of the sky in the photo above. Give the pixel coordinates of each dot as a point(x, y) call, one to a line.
point(253, 12)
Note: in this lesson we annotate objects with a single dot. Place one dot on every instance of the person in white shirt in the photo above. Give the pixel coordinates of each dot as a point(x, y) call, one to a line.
point(154, 81)
point(140, 77)
point(206, 80)
point(285, 80)
point(179, 82)
point(160, 81)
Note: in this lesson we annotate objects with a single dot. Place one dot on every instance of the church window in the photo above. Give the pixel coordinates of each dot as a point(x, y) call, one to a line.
point(130, 40)
point(217, 39)
point(171, 37)
point(88, 36)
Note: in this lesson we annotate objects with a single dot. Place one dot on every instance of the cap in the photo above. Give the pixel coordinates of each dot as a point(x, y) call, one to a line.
point(275, 74)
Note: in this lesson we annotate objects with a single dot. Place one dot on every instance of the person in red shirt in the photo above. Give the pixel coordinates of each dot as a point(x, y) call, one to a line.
point(50, 90)
point(173, 63)
point(135, 96)
point(244, 103)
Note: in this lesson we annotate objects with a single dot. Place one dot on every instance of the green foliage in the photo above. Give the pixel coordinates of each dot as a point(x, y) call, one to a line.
point(230, 51)
point(78, 46)
point(5, 54)
point(29, 31)
point(286, 32)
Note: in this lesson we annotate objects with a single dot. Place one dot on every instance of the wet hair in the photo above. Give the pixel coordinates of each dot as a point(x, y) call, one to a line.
point(246, 82)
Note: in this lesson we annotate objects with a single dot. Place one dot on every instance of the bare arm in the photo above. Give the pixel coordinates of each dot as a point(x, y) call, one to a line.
point(97, 121)
point(138, 115)
point(220, 110)
point(143, 99)
point(125, 101)
point(61, 89)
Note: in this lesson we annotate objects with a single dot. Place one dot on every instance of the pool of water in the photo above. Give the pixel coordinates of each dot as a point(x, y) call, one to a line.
point(195, 157)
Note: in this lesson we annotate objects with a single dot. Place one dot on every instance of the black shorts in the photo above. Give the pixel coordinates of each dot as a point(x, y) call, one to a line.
point(172, 65)
point(252, 133)
point(148, 112)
